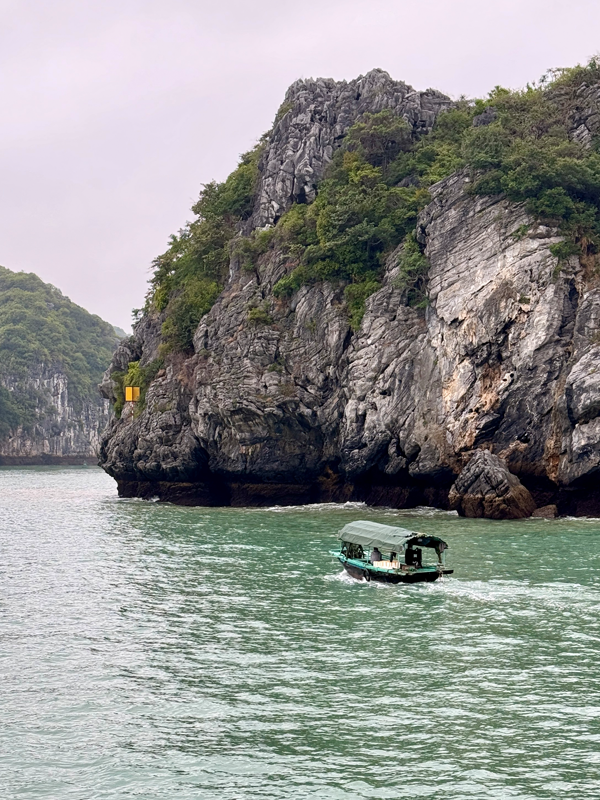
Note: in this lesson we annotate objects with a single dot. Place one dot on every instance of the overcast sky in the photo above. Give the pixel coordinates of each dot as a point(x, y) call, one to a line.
point(115, 112)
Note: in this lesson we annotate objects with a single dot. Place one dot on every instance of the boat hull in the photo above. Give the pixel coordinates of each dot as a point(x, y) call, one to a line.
point(380, 576)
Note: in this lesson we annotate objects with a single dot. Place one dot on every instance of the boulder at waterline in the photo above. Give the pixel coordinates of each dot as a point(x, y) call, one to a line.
point(485, 488)
point(546, 512)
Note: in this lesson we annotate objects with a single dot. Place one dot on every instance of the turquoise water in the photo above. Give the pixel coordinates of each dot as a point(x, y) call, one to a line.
point(149, 651)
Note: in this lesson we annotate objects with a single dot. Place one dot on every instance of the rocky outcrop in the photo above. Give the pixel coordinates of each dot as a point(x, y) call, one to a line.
point(65, 431)
point(298, 408)
point(312, 122)
point(485, 488)
point(585, 118)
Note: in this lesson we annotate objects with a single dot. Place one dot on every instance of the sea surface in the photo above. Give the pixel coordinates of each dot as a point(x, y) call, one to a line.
point(151, 651)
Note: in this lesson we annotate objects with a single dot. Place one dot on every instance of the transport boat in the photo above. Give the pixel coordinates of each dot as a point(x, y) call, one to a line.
point(364, 543)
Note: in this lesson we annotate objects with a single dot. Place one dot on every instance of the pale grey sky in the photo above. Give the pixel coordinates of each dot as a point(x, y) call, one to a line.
point(115, 112)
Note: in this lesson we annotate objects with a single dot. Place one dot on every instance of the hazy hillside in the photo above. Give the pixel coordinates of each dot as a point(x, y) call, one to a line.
point(52, 355)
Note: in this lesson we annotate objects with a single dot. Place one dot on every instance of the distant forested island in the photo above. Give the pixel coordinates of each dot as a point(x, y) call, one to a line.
point(52, 355)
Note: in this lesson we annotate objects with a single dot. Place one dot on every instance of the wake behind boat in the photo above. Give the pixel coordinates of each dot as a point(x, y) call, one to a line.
point(364, 543)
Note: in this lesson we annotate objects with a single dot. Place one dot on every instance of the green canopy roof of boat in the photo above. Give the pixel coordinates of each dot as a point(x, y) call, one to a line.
point(371, 534)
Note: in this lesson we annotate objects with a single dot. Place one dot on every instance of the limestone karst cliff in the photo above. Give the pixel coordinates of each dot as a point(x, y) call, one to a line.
point(51, 357)
point(472, 320)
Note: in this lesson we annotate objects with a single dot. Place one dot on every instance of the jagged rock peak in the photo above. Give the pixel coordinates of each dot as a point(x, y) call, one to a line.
point(313, 120)
point(373, 82)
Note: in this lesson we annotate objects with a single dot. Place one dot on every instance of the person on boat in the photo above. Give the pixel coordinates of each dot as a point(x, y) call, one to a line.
point(413, 557)
point(375, 555)
point(354, 551)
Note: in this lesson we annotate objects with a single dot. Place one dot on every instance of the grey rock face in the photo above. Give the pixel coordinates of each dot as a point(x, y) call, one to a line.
point(585, 120)
point(65, 431)
point(483, 365)
point(486, 118)
point(503, 359)
point(314, 118)
point(485, 488)
point(142, 347)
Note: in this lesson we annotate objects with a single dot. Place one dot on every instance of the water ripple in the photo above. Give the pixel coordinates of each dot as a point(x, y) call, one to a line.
point(158, 652)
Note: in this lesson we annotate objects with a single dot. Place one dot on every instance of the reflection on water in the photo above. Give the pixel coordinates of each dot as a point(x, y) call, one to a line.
point(160, 652)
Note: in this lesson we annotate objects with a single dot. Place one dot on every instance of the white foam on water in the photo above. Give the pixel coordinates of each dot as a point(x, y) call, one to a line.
point(311, 507)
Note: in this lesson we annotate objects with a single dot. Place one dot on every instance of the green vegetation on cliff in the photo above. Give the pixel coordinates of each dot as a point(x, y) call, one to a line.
point(40, 327)
point(189, 275)
point(528, 155)
point(378, 182)
point(515, 143)
point(362, 212)
point(136, 375)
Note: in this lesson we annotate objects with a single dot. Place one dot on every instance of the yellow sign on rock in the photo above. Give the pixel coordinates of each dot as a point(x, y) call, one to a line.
point(132, 394)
